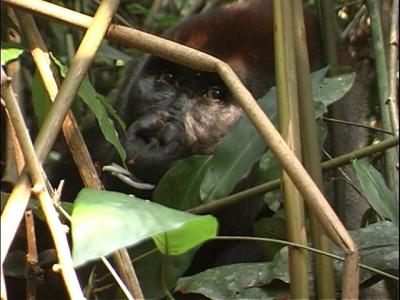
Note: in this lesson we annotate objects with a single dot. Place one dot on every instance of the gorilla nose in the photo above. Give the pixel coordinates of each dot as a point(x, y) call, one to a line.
point(153, 142)
point(149, 127)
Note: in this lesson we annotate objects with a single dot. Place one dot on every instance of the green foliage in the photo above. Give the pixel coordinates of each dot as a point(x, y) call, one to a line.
point(153, 268)
point(378, 248)
point(10, 52)
point(164, 21)
point(378, 244)
point(375, 190)
point(40, 99)
point(238, 281)
point(273, 228)
point(15, 264)
point(172, 193)
point(104, 221)
point(101, 109)
point(232, 161)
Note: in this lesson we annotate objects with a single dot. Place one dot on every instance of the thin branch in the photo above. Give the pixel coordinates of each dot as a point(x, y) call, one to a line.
point(357, 125)
point(31, 256)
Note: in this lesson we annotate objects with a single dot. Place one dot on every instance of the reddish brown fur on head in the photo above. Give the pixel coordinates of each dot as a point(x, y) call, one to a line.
point(241, 35)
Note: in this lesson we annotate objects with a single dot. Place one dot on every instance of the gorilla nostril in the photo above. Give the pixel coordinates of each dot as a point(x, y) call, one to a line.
point(148, 135)
point(149, 127)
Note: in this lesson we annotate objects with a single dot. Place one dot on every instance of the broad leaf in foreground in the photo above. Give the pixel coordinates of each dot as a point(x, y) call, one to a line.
point(104, 221)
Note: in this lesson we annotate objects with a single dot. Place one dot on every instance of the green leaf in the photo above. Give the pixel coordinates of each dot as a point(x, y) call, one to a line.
point(101, 108)
point(9, 54)
point(15, 264)
point(231, 160)
point(378, 244)
point(274, 228)
point(330, 90)
point(374, 188)
point(237, 281)
point(104, 221)
point(112, 53)
point(155, 270)
point(184, 238)
point(269, 167)
point(40, 99)
point(171, 191)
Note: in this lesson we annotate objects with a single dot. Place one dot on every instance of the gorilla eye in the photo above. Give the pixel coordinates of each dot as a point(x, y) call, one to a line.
point(166, 77)
point(215, 93)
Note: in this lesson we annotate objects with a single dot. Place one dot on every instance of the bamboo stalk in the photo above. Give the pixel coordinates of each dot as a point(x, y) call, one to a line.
point(289, 126)
point(391, 159)
point(323, 268)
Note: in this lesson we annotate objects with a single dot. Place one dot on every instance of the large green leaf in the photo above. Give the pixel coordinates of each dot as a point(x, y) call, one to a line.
point(374, 188)
point(235, 155)
point(104, 221)
point(101, 108)
point(238, 281)
point(378, 244)
point(171, 191)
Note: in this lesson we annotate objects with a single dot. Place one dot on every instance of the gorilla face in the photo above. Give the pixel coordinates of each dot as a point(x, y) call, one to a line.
point(173, 112)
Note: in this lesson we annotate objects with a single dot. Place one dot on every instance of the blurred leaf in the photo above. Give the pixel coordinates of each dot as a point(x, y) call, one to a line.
point(164, 20)
point(9, 54)
point(126, 220)
point(273, 228)
point(112, 53)
point(100, 106)
point(138, 9)
point(151, 266)
point(172, 193)
point(374, 188)
point(15, 264)
point(40, 99)
point(269, 167)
